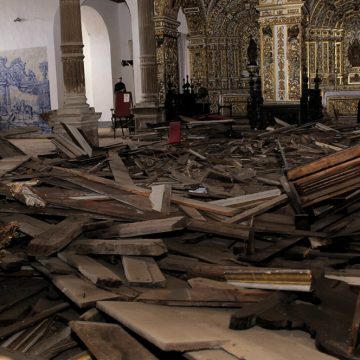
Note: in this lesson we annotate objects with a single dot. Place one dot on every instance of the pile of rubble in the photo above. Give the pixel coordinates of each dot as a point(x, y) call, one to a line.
point(143, 249)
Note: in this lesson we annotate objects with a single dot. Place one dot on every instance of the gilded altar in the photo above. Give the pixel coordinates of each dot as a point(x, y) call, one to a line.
point(341, 102)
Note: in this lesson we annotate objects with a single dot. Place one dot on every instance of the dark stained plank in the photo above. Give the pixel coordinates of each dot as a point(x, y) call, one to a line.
point(133, 246)
point(56, 238)
point(110, 341)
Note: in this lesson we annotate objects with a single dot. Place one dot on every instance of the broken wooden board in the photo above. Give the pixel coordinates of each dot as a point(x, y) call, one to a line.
point(28, 224)
point(57, 237)
point(140, 228)
point(11, 163)
point(31, 320)
point(165, 327)
point(324, 163)
point(82, 292)
point(220, 228)
point(93, 270)
point(248, 198)
point(142, 271)
point(132, 247)
point(259, 209)
point(78, 138)
point(197, 297)
point(160, 198)
point(120, 172)
point(110, 341)
point(176, 199)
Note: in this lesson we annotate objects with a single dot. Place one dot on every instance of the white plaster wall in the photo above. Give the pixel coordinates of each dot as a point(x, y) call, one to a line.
point(97, 62)
point(36, 29)
point(118, 22)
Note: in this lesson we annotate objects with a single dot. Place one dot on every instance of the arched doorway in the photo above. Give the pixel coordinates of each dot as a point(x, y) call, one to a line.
point(183, 43)
point(97, 62)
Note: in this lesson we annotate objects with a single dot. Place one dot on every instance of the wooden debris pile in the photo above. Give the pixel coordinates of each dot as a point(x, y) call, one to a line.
point(167, 240)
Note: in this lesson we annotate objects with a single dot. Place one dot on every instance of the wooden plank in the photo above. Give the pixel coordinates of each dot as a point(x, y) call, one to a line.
point(229, 230)
point(218, 354)
point(334, 170)
point(9, 150)
point(165, 327)
point(259, 209)
point(192, 212)
point(28, 224)
point(31, 320)
point(176, 199)
point(142, 271)
point(160, 198)
point(69, 145)
point(272, 250)
point(195, 268)
point(91, 269)
point(196, 297)
point(248, 199)
point(77, 137)
point(324, 163)
point(118, 169)
point(110, 341)
point(82, 292)
point(57, 237)
point(141, 228)
point(132, 247)
point(64, 149)
point(11, 163)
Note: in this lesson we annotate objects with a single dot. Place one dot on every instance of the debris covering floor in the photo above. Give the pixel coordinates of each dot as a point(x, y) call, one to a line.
point(139, 249)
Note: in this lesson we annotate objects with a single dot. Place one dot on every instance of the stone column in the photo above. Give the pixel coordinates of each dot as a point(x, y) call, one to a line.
point(75, 110)
point(282, 49)
point(146, 111)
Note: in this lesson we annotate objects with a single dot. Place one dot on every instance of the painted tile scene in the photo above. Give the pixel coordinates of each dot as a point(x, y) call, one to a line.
point(24, 88)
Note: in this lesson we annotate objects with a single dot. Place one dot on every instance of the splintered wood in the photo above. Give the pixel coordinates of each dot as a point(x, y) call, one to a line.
point(140, 249)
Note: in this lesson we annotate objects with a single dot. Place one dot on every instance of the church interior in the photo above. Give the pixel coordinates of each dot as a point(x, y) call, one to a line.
point(179, 179)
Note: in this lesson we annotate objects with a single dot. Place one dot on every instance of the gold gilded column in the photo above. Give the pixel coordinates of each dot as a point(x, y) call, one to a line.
point(281, 46)
point(166, 39)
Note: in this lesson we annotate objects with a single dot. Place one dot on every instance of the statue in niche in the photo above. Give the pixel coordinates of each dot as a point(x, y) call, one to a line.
point(252, 51)
point(267, 31)
point(354, 53)
point(293, 33)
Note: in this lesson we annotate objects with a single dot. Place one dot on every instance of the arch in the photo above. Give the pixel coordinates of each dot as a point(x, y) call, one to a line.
point(183, 43)
point(97, 62)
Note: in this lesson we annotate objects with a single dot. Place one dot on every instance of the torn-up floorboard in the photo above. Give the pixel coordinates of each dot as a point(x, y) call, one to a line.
point(142, 271)
point(132, 247)
point(142, 228)
point(93, 270)
point(197, 297)
point(259, 209)
point(78, 138)
point(165, 327)
point(160, 198)
point(11, 163)
point(8, 150)
point(110, 341)
point(118, 169)
point(27, 224)
point(216, 354)
point(82, 292)
point(31, 320)
point(57, 237)
point(220, 228)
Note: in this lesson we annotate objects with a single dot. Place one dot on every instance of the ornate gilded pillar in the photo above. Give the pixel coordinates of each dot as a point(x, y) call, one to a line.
point(166, 35)
point(147, 111)
point(75, 110)
point(281, 45)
